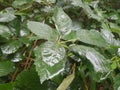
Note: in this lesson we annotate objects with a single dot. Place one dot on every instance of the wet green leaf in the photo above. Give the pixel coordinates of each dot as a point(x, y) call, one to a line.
point(50, 59)
point(41, 30)
point(66, 82)
point(46, 1)
point(7, 15)
point(109, 37)
point(91, 37)
point(49, 36)
point(87, 10)
point(77, 2)
point(62, 21)
point(39, 1)
point(10, 47)
point(4, 31)
point(51, 1)
point(18, 3)
point(115, 28)
point(6, 67)
point(99, 62)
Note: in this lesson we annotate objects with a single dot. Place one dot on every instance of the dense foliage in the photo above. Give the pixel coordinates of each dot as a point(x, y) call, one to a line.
point(59, 45)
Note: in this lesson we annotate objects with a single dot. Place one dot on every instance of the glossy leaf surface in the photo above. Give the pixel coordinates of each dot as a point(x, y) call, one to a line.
point(99, 62)
point(7, 15)
point(62, 21)
point(50, 59)
point(41, 30)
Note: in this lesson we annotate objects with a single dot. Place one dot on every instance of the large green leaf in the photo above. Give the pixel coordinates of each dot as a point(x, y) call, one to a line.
point(6, 67)
point(50, 59)
point(28, 80)
point(7, 15)
point(43, 31)
point(117, 82)
point(99, 62)
point(62, 21)
point(92, 37)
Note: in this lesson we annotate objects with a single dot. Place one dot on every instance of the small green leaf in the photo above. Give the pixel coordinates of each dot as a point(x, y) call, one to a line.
point(115, 28)
point(18, 3)
point(114, 65)
point(50, 59)
point(7, 15)
point(41, 30)
point(62, 21)
point(10, 47)
point(4, 31)
point(109, 37)
point(66, 82)
point(6, 67)
point(71, 36)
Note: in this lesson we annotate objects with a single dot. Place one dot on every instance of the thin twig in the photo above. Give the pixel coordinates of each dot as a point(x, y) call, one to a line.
point(14, 75)
point(27, 65)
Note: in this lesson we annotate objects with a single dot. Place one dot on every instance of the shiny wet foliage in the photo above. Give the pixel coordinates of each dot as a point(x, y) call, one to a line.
point(59, 45)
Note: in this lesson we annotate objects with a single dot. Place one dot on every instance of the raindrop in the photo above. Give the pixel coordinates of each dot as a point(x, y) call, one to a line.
point(23, 33)
point(17, 57)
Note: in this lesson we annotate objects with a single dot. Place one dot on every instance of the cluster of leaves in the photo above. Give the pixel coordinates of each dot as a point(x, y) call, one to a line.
point(59, 45)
